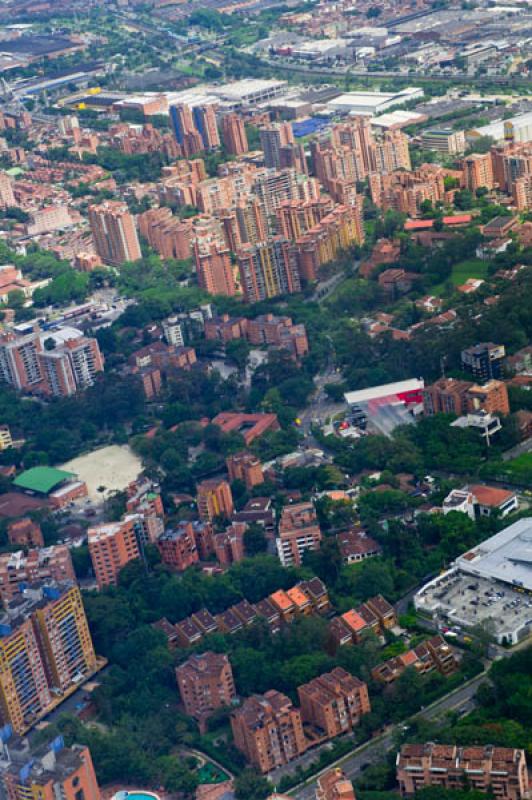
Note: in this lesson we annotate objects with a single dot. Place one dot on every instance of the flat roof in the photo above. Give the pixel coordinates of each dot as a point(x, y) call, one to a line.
point(383, 390)
point(42, 479)
point(507, 556)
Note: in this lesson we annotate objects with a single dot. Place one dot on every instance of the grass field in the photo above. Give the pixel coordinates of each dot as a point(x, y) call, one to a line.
point(472, 268)
point(518, 470)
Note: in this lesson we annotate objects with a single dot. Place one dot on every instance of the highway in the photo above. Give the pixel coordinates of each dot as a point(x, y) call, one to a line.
point(373, 751)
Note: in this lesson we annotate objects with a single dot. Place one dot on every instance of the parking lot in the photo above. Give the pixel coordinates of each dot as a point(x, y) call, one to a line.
point(464, 601)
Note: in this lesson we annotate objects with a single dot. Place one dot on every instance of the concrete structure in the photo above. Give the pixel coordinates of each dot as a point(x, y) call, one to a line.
point(272, 138)
point(333, 703)
point(501, 771)
point(114, 233)
point(205, 683)
point(178, 547)
point(299, 531)
point(250, 426)
point(234, 135)
point(245, 467)
point(25, 533)
point(268, 730)
point(111, 546)
point(431, 655)
point(268, 269)
point(372, 103)
point(334, 785)
point(484, 361)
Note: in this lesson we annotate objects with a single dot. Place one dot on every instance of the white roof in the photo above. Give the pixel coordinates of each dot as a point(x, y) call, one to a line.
point(384, 390)
point(61, 335)
point(397, 117)
point(507, 556)
point(247, 86)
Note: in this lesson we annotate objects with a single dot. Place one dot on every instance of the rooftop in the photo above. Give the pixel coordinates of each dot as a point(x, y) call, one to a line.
point(42, 479)
point(507, 556)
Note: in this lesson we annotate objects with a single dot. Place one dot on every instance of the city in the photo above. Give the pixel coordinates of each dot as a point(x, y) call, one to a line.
point(265, 400)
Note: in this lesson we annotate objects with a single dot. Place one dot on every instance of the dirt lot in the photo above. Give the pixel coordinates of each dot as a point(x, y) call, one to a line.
point(113, 467)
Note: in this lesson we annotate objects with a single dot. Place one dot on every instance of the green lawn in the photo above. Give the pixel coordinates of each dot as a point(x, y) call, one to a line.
point(472, 268)
point(208, 773)
point(518, 470)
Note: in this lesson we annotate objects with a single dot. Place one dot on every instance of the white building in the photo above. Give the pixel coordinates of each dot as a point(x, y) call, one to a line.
point(373, 103)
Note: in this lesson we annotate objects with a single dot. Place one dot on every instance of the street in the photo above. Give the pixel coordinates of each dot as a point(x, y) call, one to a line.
point(372, 752)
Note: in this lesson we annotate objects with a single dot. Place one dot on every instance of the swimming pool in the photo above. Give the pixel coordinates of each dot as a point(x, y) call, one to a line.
point(135, 795)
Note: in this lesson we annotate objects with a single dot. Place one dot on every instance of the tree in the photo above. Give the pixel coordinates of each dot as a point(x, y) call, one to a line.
point(255, 541)
point(249, 785)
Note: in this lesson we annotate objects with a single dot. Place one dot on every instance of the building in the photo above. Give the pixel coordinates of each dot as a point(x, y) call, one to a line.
point(478, 171)
point(268, 269)
point(214, 499)
point(167, 234)
point(496, 570)
point(112, 545)
point(498, 771)
point(178, 547)
point(45, 651)
point(25, 533)
point(250, 426)
point(491, 397)
point(44, 564)
point(245, 467)
point(229, 544)
point(429, 656)
point(214, 270)
point(7, 198)
point(272, 138)
point(484, 361)
point(372, 103)
point(446, 396)
point(48, 219)
point(205, 683)
point(333, 703)
point(299, 531)
point(334, 785)
point(205, 120)
point(355, 546)
point(47, 772)
point(268, 730)
point(69, 362)
point(444, 140)
point(114, 233)
point(480, 500)
point(234, 136)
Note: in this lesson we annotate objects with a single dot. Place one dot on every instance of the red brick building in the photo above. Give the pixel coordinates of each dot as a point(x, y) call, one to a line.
point(205, 683)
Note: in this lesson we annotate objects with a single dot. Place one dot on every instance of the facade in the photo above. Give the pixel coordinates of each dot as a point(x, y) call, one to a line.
point(334, 785)
point(229, 544)
point(49, 772)
point(299, 531)
point(205, 683)
point(111, 547)
point(268, 730)
point(429, 656)
point(334, 702)
point(214, 499)
point(491, 397)
point(114, 233)
point(215, 271)
point(268, 269)
point(7, 198)
point(444, 140)
point(25, 532)
point(178, 547)
point(168, 235)
point(478, 171)
point(234, 135)
point(272, 138)
point(500, 771)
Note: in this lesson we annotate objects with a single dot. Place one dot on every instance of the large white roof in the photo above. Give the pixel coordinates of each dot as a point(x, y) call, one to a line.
point(507, 556)
point(384, 390)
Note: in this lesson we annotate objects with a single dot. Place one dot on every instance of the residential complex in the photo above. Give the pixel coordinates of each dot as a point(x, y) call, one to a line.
point(333, 703)
point(501, 771)
point(114, 233)
point(299, 531)
point(111, 546)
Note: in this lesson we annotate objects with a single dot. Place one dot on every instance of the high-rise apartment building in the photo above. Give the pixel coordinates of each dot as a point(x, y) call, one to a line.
point(70, 366)
point(268, 730)
point(214, 499)
point(499, 771)
point(7, 198)
point(114, 233)
point(215, 271)
point(334, 702)
point(45, 649)
point(205, 120)
point(25, 533)
point(478, 171)
point(484, 360)
point(268, 269)
point(299, 531)
point(234, 135)
point(184, 125)
point(205, 683)
point(272, 138)
point(47, 772)
point(168, 235)
point(111, 547)
point(19, 361)
point(64, 637)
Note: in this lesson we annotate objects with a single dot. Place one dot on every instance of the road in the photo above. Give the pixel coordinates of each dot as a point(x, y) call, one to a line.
point(372, 752)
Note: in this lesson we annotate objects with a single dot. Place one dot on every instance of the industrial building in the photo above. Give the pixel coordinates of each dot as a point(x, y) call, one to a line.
point(490, 585)
point(373, 103)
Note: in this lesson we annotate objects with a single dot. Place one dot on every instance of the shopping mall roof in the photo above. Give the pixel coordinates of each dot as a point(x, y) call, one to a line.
point(507, 556)
point(41, 479)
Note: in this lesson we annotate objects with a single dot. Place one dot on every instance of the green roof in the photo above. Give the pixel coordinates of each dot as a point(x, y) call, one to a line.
point(14, 172)
point(42, 479)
